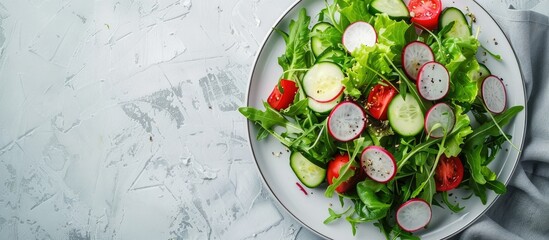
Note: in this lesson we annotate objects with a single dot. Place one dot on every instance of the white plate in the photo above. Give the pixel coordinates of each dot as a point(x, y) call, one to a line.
point(311, 210)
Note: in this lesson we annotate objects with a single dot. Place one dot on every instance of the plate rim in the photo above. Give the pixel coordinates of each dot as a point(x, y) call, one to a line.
point(250, 124)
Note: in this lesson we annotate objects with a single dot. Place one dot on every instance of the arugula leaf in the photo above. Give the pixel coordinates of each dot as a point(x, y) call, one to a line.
point(374, 208)
point(421, 158)
point(299, 108)
point(453, 207)
point(493, 145)
point(496, 56)
point(488, 174)
point(398, 233)
point(269, 118)
point(474, 159)
point(478, 111)
point(429, 189)
point(479, 190)
point(417, 149)
point(334, 216)
point(490, 129)
point(476, 146)
point(497, 186)
point(298, 54)
point(441, 150)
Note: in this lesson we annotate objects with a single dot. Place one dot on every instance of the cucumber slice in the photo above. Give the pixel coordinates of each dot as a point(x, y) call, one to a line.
point(323, 82)
point(460, 29)
point(480, 74)
point(317, 45)
point(324, 107)
point(405, 116)
point(393, 8)
point(307, 172)
point(329, 55)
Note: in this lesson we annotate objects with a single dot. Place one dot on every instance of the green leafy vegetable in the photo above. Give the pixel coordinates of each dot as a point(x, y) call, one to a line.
point(375, 207)
point(297, 54)
point(458, 55)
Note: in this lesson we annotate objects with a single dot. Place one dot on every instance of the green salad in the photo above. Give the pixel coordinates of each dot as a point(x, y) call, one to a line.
point(376, 103)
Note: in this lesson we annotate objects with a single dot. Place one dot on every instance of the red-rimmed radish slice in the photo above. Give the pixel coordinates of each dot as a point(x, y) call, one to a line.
point(378, 163)
point(413, 215)
point(494, 94)
point(442, 114)
point(323, 82)
point(346, 121)
point(357, 34)
point(433, 81)
point(414, 55)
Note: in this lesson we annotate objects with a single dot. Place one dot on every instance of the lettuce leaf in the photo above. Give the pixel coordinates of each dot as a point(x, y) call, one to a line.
point(341, 13)
point(354, 11)
point(370, 63)
point(462, 129)
point(458, 55)
point(391, 32)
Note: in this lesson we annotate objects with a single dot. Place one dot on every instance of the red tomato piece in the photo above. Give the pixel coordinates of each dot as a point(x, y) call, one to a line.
point(280, 100)
point(448, 174)
point(333, 172)
point(378, 100)
point(425, 12)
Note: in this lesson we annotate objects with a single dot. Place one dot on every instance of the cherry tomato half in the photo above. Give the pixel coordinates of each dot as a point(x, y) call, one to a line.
point(333, 172)
point(279, 100)
point(448, 174)
point(425, 12)
point(378, 100)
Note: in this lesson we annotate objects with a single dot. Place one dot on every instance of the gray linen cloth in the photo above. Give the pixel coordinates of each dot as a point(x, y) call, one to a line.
point(523, 212)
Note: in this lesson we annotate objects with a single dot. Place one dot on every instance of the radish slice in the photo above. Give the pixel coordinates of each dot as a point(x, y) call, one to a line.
point(494, 94)
point(443, 114)
point(357, 34)
point(378, 163)
point(346, 121)
point(433, 81)
point(414, 55)
point(413, 215)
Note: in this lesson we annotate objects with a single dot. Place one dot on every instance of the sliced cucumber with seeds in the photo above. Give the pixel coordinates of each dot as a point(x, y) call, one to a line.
point(460, 29)
point(324, 107)
point(323, 82)
point(405, 115)
point(393, 8)
point(316, 43)
point(307, 172)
